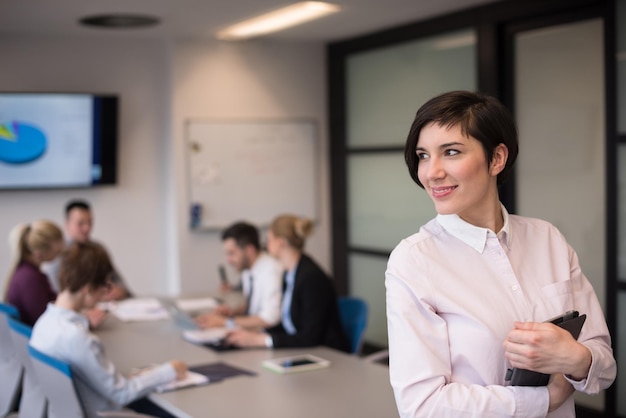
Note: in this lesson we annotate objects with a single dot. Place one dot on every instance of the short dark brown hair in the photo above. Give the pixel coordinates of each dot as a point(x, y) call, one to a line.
point(480, 116)
point(76, 204)
point(84, 263)
point(244, 234)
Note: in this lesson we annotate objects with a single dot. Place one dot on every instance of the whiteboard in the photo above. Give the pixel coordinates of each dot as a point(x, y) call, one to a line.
point(250, 171)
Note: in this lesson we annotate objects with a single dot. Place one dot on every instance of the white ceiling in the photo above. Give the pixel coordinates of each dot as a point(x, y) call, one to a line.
point(202, 18)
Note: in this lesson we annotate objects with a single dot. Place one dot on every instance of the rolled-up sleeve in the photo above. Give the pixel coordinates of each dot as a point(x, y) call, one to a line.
point(594, 334)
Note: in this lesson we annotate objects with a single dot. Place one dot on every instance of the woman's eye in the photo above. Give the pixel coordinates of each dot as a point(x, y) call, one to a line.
point(451, 152)
point(421, 155)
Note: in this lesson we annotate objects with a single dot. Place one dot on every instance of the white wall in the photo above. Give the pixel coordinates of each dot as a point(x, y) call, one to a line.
point(250, 80)
point(128, 217)
point(143, 219)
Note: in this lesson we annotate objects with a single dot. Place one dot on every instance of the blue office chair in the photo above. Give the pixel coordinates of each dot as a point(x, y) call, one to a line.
point(33, 401)
point(353, 314)
point(57, 382)
point(10, 368)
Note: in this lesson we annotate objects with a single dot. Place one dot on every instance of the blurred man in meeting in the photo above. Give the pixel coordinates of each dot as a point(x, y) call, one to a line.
point(78, 227)
point(261, 280)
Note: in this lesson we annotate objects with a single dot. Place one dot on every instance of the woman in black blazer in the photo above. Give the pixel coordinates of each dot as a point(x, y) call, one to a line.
point(310, 315)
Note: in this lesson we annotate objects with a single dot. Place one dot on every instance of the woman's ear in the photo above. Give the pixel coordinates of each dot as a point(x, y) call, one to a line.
point(498, 160)
point(282, 243)
point(84, 291)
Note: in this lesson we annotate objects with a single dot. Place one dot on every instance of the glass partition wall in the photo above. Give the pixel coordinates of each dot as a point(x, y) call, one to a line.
point(385, 87)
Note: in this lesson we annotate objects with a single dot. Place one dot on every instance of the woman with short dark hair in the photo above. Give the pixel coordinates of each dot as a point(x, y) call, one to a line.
point(468, 294)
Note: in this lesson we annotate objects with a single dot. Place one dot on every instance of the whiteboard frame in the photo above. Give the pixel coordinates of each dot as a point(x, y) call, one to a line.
point(208, 226)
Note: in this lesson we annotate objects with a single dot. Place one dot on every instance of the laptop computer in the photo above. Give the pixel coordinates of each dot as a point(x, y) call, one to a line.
point(181, 318)
point(210, 338)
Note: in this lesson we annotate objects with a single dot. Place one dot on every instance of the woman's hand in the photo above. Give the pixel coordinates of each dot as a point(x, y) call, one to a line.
point(224, 310)
point(547, 348)
point(210, 320)
point(245, 338)
point(559, 390)
point(180, 368)
point(95, 316)
point(116, 292)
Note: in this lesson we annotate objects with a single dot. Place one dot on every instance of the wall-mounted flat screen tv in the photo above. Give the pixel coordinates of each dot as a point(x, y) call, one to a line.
point(52, 140)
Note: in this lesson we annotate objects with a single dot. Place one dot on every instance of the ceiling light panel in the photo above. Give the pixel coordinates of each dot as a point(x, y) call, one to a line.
point(277, 20)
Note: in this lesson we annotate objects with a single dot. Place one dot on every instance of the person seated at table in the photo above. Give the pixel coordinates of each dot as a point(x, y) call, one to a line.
point(309, 311)
point(28, 288)
point(63, 332)
point(79, 221)
point(261, 278)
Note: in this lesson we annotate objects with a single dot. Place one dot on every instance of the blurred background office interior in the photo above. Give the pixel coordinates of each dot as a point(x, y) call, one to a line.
point(360, 74)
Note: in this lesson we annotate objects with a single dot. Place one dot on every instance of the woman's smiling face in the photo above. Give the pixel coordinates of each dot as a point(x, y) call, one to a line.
point(454, 171)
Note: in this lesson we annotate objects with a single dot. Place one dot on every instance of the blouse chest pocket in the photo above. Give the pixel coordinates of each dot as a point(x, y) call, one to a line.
point(557, 297)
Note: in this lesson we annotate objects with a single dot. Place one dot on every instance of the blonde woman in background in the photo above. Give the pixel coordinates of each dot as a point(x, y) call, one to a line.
point(309, 312)
point(28, 289)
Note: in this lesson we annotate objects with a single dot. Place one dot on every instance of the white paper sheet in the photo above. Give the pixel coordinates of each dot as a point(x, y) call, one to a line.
point(138, 309)
point(209, 335)
point(191, 379)
point(199, 304)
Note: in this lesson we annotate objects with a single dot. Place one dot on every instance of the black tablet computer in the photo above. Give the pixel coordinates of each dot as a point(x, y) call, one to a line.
point(571, 321)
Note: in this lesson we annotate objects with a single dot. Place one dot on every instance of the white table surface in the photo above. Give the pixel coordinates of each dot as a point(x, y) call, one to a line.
point(350, 387)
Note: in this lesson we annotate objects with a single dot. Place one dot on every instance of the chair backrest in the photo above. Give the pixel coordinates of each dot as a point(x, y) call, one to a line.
point(56, 379)
point(33, 401)
point(6, 347)
point(9, 310)
point(353, 313)
point(10, 368)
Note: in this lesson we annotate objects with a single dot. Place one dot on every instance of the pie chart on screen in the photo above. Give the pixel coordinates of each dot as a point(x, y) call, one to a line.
point(21, 142)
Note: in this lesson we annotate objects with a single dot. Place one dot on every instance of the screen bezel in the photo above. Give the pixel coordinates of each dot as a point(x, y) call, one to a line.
point(105, 134)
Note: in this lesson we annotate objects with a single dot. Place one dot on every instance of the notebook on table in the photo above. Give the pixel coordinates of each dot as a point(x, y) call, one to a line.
point(213, 338)
point(219, 370)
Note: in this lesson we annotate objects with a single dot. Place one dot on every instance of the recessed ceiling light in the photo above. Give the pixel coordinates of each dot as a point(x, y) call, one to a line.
point(279, 19)
point(119, 21)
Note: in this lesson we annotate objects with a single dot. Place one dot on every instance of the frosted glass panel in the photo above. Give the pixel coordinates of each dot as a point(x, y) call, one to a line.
point(384, 205)
point(621, 216)
point(367, 281)
point(621, 355)
point(560, 113)
point(385, 87)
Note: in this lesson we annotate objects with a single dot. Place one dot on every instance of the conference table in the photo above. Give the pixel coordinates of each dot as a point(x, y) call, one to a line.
point(349, 387)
